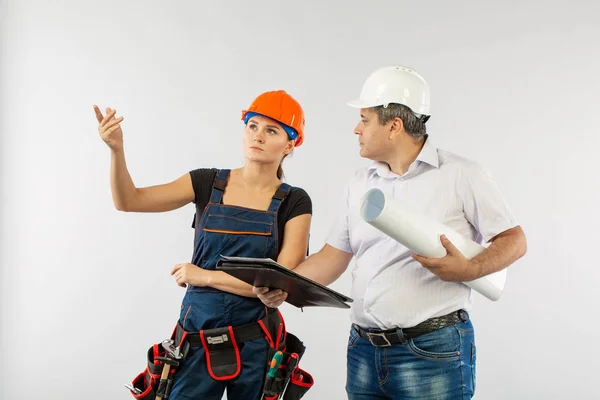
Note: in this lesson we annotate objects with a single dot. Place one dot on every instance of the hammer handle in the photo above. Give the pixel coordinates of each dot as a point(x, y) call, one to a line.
point(164, 376)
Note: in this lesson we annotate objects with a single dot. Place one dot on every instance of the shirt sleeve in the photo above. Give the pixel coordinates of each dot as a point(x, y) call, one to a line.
point(299, 203)
point(202, 179)
point(484, 206)
point(339, 234)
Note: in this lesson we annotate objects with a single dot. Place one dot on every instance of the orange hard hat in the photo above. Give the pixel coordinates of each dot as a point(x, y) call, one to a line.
point(281, 107)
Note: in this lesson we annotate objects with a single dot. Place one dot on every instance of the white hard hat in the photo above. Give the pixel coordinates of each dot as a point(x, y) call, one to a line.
point(395, 84)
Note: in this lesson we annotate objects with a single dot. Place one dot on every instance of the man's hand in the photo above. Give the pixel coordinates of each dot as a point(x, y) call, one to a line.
point(454, 267)
point(270, 298)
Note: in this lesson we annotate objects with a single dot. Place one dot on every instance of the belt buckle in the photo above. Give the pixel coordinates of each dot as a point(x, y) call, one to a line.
point(372, 334)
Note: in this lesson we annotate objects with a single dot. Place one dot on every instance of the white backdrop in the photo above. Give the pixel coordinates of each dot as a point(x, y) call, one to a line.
point(86, 289)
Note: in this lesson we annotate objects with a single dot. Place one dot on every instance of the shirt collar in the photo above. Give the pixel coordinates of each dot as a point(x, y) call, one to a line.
point(428, 155)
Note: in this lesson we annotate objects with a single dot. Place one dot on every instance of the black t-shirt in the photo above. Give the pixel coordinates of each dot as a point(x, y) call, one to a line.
point(297, 202)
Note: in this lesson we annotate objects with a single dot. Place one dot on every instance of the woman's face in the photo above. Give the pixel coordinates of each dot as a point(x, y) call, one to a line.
point(266, 141)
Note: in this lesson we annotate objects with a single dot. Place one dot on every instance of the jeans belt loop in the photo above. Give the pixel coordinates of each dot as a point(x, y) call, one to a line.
point(400, 334)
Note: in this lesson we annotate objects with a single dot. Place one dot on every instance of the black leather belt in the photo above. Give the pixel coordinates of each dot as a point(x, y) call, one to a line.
point(389, 337)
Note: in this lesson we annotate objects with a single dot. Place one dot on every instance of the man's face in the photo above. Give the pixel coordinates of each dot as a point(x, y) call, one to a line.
point(373, 138)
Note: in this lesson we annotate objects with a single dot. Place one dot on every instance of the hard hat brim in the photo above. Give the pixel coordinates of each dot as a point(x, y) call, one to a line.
point(360, 104)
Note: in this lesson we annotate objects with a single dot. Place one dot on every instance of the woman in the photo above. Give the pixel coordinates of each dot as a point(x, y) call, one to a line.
point(245, 212)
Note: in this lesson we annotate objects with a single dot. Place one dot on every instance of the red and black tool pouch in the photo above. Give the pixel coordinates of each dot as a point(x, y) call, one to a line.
point(289, 377)
point(148, 383)
point(222, 353)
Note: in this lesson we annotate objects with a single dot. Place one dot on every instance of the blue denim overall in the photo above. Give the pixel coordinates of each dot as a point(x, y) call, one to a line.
point(229, 231)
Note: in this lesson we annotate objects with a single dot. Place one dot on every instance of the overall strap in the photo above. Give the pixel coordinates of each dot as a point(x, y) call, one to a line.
point(219, 185)
point(278, 197)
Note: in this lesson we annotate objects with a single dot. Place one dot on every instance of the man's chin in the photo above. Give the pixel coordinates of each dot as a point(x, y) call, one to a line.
point(365, 154)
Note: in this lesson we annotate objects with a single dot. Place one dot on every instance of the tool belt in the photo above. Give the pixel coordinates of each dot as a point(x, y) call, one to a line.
point(401, 336)
point(223, 359)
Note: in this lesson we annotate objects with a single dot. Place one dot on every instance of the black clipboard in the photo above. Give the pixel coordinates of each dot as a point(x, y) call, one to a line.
point(264, 272)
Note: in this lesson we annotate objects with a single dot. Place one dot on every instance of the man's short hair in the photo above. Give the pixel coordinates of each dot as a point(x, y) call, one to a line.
point(413, 125)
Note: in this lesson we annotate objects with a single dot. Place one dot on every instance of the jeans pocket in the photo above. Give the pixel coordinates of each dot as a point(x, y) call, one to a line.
point(352, 338)
point(440, 345)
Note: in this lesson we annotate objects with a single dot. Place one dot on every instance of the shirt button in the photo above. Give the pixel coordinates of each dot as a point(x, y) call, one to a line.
point(369, 310)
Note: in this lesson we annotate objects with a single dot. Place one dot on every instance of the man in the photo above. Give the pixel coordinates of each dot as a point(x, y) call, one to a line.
point(411, 335)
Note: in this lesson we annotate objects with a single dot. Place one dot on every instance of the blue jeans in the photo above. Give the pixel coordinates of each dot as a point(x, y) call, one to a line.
point(439, 365)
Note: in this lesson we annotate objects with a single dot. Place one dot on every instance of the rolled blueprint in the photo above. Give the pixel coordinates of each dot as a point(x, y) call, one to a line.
point(421, 235)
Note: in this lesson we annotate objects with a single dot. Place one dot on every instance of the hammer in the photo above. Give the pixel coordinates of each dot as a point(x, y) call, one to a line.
point(171, 359)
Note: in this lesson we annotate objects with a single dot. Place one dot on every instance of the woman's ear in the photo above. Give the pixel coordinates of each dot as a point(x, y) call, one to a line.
point(289, 147)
